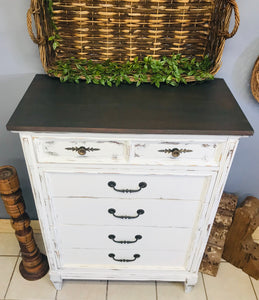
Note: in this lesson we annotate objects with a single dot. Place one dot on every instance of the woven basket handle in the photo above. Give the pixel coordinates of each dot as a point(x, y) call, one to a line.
point(234, 6)
point(33, 11)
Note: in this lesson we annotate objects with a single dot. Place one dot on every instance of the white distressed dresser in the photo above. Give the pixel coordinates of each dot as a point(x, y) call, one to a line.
point(127, 180)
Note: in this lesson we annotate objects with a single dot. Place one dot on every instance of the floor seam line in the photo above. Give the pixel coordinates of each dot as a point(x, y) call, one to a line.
point(253, 287)
point(9, 255)
point(11, 277)
point(56, 295)
point(204, 287)
point(106, 294)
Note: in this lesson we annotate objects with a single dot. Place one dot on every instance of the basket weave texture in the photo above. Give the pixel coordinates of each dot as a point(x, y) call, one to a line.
point(121, 30)
point(255, 80)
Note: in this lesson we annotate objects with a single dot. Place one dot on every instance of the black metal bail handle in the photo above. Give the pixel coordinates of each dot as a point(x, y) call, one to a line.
point(112, 211)
point(112, 255)
point(113, 237)
point(141, 185)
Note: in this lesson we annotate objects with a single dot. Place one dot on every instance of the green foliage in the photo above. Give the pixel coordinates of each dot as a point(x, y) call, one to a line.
point(169, 70)
point(55, 37)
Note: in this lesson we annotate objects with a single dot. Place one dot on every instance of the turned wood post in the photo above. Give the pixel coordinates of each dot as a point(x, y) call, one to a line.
point(34, 265)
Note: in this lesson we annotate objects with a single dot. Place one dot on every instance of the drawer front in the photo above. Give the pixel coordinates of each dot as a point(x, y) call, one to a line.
point(134, 238)
point(84, 258)
point(177, 153)
point(185, 186)
point(79, 150)
point(85, 211)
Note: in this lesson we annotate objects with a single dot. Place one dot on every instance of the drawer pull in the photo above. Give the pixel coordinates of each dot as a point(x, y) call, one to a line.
point(175, 151)
point(112, 211)
point(113, 237)
point(112, 255)
point(82, 150)
point(141, 185)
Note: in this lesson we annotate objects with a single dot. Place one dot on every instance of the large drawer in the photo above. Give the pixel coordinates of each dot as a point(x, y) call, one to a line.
point(181, 185)
point(140, 212)
point(79, 150)
point(135, 238)
point(100, 258)
point(190, 153)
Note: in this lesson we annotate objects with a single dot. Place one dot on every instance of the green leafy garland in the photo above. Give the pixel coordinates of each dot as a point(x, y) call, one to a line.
point(55, 37)
point(170, 70)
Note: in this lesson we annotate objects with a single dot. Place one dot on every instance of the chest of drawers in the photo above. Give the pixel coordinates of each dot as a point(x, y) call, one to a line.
point(130, 201)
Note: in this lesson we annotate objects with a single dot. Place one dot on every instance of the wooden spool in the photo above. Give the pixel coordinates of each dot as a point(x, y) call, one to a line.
point(215, 246)
point(34, 265)
point(240, 249)
point(255, 80)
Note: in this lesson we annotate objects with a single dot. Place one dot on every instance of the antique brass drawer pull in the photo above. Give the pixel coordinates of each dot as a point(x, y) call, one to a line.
point(175, 151)
point(82, 150)
point(112, 211)
point(141, 185)
point(112, 255)
point(113, 237)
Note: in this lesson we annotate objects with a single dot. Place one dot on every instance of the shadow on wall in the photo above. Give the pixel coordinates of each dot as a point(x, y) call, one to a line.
point(242, 71)
point(243, 178)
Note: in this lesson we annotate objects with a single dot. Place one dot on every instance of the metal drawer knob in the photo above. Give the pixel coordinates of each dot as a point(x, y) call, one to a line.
point(112, 211)
point(141, 185)
point(82, 150)
point(175, 151)
point(113, 237)
point(112, 255)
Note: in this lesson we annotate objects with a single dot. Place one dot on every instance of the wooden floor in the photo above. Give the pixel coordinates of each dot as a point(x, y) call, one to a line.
point(230, 283)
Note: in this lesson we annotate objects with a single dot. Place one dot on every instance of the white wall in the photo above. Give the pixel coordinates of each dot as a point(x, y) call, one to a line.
point(19, 61)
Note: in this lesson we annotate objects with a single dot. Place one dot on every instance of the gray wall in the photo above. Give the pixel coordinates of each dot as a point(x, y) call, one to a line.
point(19, 61)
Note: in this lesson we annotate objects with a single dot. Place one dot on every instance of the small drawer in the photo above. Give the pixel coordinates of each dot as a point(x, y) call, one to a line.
point(177, 153)
point(126, 212)
point(98, 258)
point(134, 238)
point(79, 150)
point(185, 186)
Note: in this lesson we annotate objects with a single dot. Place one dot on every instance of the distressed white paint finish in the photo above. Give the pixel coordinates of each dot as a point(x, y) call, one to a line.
point(88, 257)
point(97, 237)
point(180, 201)
point(81, 183)
point(60, 150)
point(94, 211)
point(193, 153)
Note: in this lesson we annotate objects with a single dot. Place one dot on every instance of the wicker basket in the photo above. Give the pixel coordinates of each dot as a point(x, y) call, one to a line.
point(255, 80)
point(121, 30)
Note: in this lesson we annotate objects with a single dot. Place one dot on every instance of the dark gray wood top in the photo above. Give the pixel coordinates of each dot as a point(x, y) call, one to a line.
point(203, 108)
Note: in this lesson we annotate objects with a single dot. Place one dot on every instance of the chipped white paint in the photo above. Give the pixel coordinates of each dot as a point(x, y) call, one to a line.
point(180, 201)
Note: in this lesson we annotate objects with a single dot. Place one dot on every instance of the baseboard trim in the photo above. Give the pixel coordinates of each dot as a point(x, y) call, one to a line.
point(5, 226)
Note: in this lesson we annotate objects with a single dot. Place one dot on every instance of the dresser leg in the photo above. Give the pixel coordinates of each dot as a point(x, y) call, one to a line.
point(58, 284)
point(56, 279)
point(188, 287)
point(34, 265)
point(190, 282)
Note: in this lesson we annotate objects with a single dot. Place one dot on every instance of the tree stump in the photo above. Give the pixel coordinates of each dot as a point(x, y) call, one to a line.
point(34, 265)
point(215, 246)
point(240, 248)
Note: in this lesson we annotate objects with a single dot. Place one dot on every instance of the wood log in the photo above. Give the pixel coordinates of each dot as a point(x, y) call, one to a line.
point(240, 248)
point(215, 246)
point(34, 265)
